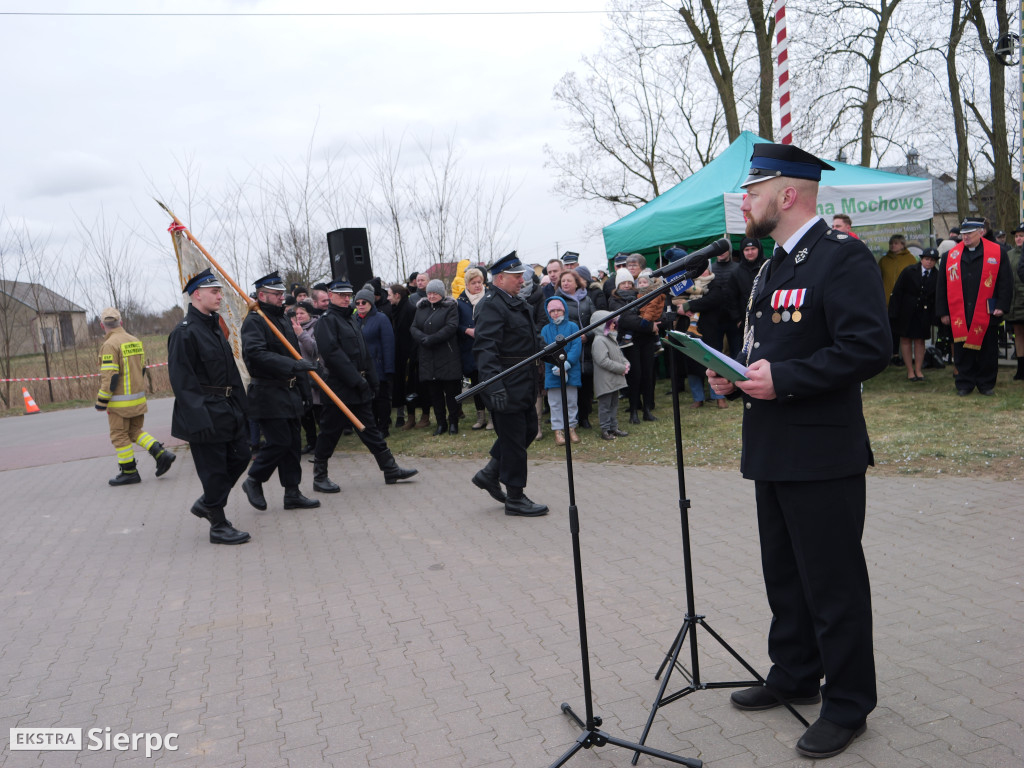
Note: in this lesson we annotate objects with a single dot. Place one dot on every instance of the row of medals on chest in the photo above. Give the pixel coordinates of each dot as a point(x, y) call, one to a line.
point(786, 305)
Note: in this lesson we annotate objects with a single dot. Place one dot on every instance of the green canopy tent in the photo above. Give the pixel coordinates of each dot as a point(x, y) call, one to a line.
point(706, 205)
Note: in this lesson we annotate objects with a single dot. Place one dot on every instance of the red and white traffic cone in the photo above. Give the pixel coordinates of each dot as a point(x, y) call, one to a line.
point(30, 404)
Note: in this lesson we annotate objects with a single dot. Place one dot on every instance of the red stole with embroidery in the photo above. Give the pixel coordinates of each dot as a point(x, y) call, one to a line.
point(971, 335)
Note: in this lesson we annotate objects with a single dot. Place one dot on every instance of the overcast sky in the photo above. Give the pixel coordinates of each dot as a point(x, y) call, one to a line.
point(99, 110)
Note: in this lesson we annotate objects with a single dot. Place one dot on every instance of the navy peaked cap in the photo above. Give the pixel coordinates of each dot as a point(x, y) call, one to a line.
point(509, 263)
point(770, 161)
point(205, 279)
point(271, 282)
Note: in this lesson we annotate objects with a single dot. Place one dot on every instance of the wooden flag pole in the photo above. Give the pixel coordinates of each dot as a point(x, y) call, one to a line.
point(255, 307)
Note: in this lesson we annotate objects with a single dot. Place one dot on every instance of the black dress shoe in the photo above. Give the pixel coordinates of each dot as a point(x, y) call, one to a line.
point(441, 429)
point(634, 417)
point(293, 499)
point(648, 416)
point(454, 428)
point(201, 510)
point(254, 493)
point(490, 484)
point(585, 424)
point(224, 533)
point(761, 697)
point(620, 432)
point(987, 392)
point(524, 507)
point(963, 392)
point(826, 739)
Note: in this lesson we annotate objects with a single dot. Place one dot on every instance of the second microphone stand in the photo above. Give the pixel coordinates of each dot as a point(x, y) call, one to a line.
point(692, 620)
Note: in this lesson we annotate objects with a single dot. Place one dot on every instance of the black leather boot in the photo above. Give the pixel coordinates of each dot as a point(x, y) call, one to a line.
point(634, 417)
point(517, 503)
point(487, 479)
point(221, 530)
point(254, 492)
point(454, 428)
point(442, 428)
point(164, 458)
point(321, 482)
point(129, 475)
point(392, 472)
point(293, 499)
point(648, 416)
point(199, 509)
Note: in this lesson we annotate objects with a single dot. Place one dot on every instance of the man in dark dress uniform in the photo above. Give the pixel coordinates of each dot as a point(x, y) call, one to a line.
point(816, 327)
point(505, 335)
point(972, 296)
point(277, 389)
point(209, 404)
point(352, 376)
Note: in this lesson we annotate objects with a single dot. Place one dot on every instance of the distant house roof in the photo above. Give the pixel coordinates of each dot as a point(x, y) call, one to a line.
point(943, 187)
point(38, 298)
point(443, 270)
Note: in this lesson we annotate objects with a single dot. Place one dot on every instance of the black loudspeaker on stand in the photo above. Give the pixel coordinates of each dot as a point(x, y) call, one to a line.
point(692, 620)
point(349, 250)
point(592, 735)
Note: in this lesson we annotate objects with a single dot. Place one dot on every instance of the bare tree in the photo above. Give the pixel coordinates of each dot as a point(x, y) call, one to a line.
point(487, 219)
point(723, 32)
point(958, 21)
point(110, 249)
point(439, 201)
point(390, 207)
point(860, 61)
point(664, 96)
point(992, 121)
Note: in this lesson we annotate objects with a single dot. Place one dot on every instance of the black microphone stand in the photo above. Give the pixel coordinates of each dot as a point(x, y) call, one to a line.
point(692, 619)
point(592, 735)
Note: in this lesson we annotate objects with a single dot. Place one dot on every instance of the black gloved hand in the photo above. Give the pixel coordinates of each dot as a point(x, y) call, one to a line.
point(499, 399)
point(301, 366)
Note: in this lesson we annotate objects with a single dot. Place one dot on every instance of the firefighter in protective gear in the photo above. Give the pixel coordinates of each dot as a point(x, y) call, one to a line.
point(123, 397)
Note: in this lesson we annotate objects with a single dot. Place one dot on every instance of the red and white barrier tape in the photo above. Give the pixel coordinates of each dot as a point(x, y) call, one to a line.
point(69, 378)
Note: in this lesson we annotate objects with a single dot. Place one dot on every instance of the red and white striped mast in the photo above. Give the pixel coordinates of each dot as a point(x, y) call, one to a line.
point(782, 56)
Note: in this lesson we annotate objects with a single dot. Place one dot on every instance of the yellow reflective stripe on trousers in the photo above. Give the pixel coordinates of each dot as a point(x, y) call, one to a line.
point(126, 401)
point(125, 455)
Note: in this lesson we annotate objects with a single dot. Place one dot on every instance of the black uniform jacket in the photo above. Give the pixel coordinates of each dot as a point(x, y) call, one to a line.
point(276, 391)
point(351, 372)
point(912, 304)
point(814, 429)
point(199, 360)
point(505, 335)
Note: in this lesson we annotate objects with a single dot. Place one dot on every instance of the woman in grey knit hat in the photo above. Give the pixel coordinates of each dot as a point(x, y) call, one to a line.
point(434, 329)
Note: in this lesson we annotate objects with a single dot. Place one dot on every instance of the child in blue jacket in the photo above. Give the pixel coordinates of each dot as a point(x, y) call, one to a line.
point(559, 325)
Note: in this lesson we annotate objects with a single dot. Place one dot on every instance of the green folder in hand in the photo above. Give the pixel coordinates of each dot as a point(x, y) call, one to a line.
point(696, 349)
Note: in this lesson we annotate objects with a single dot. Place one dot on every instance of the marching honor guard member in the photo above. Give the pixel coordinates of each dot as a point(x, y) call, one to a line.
point(506, 335)
point(816, 327)
point(278, 387)
point(123, 396)
point(209, 404)
point(352, 375)
point(975, 290)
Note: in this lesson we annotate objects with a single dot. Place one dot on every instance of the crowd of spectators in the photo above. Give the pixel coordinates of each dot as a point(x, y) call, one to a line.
point(420, 336)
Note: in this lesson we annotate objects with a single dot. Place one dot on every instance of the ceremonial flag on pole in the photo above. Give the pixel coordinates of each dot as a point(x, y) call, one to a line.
point(782, 54)
point(233, 309)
